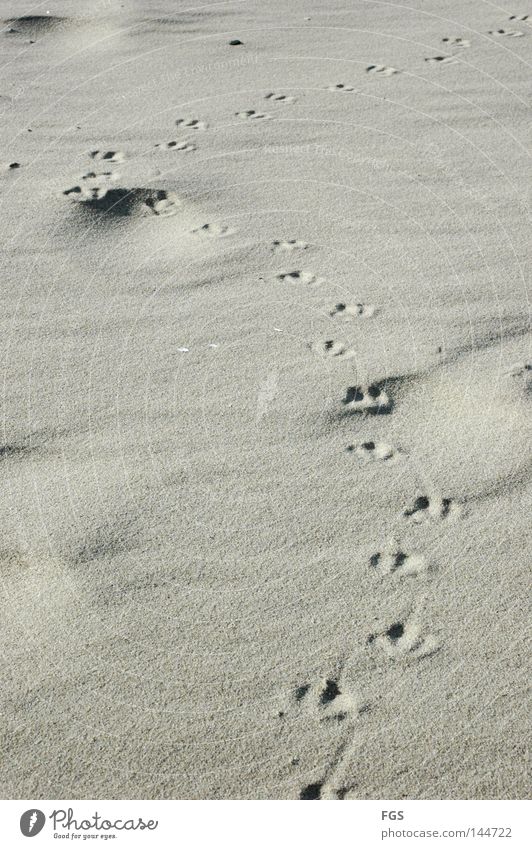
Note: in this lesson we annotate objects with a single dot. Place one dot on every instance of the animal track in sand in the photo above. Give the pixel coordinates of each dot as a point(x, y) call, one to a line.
point(162, 203)
point(328, 703)
point(253, 115)
point(93, 186)
point(394, 561)
point(330, 349)
point(370, 399)
point(456, 42)
point(382, 70)
point(191, 124)
point(215, 231)
point(341, 87)
point(433, 509)
point(404, 641)
point(280, 98)
point(324, 700)
point(508, 33)
point(308, 278)
point(128, 202)
point(440, 60)
point(177, 145)
point(351, 311)
point(289, 245)
point(371, 452)
point(519, 369)
point(107, 155)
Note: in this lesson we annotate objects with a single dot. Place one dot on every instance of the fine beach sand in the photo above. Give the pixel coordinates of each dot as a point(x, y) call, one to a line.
point(266, 399)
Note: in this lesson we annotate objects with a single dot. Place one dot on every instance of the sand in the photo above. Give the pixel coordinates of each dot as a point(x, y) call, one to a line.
point(266, 394)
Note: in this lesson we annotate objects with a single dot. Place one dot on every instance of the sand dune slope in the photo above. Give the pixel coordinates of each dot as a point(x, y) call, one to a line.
point(266, 399)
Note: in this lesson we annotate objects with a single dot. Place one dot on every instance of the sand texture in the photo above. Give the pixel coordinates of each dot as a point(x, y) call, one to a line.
point(265, 475)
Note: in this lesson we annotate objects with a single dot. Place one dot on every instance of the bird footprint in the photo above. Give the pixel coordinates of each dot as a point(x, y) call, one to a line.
point(404, 641)
point(324, 700)
point(252, 114)
point(177, 145)
point(351, 311)
point(280, 98)
point(371, 452)
point(508, 33)
point(327, 702)
point(440, 60)
point(308, 278)
point(163, 203)
point(329, 349)
point(107, 155)
point(367, 399)
point(394, 561)
point(191, 124)
point(215, 231)
point(93, 186)
point(436, 508)
point(341, 87)
point(382, 70)
point(289, 244)
point(457, 42)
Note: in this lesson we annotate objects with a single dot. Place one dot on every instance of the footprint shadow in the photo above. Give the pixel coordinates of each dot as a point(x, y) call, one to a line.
point(126, 203)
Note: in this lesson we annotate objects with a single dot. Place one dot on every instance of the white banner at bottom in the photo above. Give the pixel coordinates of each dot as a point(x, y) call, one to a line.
point(255, 823)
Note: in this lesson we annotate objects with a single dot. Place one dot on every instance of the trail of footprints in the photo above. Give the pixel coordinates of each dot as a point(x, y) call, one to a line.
point(402, 640)
point(97, 192)
point(326, 701)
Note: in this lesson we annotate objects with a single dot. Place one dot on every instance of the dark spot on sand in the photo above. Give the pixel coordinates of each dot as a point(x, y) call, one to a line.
point(311, 791)
point(330, 692)
point(302, 691)
point(395, 631)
